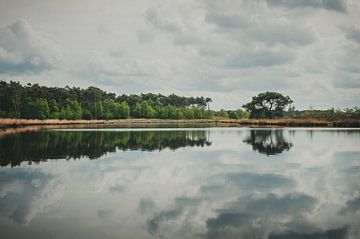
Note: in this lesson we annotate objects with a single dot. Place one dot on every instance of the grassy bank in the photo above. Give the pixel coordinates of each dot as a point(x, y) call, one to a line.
point(6, 123)
point(283, 122)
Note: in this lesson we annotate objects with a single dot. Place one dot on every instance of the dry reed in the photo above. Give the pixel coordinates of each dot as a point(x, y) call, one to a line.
point(288, 122)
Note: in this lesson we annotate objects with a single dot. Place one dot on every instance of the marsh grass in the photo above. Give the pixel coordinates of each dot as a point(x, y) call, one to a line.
point(296, 122)
point(283, 122)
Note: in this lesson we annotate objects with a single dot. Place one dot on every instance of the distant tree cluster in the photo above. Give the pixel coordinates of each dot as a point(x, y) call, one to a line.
point(269, 105)
point(353, 113)
point(40, 102)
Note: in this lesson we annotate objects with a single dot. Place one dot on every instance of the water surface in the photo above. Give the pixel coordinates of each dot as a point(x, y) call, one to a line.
point(180, 183)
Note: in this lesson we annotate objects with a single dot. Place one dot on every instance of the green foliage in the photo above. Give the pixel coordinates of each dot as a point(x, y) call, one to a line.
point(189, 113)
point(10, 99)
point(136, 111)
point(54, 109)
point(223, 114)
point(38, 109)
point(34, 101)
point(238, 114)
point(331, 113)
point(209, 114)
point(74, 108)
point(267, 105)
point(122, 110)
point(146, 110)
point(233, 114)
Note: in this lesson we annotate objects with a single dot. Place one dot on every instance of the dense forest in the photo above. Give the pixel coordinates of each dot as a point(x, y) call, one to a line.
point(33, 101)
point(40, 102)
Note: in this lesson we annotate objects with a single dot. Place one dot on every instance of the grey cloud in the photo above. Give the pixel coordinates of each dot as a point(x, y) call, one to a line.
point(153, 223)
point(285, 34)
point(264, 58)
point(352, 206)
point(35, 190)
point(25, 50)
point(335, 5)
point(347, 164)
point(290, 204)
point(239, 218)
point(353, 34)
point(145, 205)
point(212, 84)
point(231, 225)
point(103, 213)
point(181, 31)
point(338, 233)
point(225, 21)
point(181, 204)
point(260, 181)
point(114, 70)
point(268, 30)
point(153, 16)
point(145, 36)
point(347, 73)
point(345, 157)
point(347, 82)
point(117, 189)
point(228, 219)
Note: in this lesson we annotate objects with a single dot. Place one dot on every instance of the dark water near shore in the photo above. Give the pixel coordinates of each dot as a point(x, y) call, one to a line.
point(181, 183)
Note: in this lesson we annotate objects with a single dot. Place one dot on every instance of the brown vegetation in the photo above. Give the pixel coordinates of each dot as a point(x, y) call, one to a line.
point(5, 123)
point(294, 122)
point(287, 122)
point(23, 122)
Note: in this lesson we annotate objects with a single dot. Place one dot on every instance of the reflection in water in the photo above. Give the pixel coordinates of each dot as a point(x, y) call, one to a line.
point(250, 216)
point(51, 144)
point(215, 192)
point(269, 142)
point(27, 193)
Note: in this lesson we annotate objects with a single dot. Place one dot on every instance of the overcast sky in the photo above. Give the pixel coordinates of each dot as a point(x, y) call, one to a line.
point(228, 50)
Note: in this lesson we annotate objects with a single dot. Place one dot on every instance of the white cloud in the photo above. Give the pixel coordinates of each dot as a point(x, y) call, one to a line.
point(23, 49)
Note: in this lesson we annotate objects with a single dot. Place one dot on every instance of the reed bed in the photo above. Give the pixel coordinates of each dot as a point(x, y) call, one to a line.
point(6, 122)
point(282, 122)
point(294, 122)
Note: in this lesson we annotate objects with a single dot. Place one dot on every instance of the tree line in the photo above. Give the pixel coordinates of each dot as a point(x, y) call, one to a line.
point(33, 101)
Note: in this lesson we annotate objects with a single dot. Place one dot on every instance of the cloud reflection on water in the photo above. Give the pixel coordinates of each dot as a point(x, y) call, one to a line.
point(225, 190)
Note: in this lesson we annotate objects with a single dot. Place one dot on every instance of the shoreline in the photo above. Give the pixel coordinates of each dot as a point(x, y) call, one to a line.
point(12, 126)
point(282, 122)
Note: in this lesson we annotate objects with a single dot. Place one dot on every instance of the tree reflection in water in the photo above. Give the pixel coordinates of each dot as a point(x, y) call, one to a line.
point(49, 144)
point(269, 142)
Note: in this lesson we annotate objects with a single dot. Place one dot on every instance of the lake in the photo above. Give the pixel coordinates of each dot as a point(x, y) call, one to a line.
point(180, 183)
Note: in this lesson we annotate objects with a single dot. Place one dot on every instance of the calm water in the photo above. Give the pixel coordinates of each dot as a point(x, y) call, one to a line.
point(180, 183)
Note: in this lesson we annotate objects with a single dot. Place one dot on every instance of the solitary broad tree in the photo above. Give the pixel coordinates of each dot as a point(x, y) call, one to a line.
point(267, 105)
